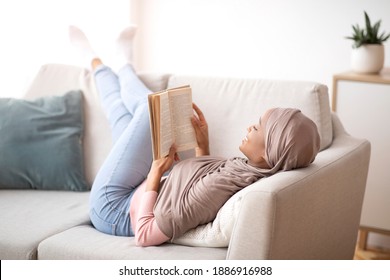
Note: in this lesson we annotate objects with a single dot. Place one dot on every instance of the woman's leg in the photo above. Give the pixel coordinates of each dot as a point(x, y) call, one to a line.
point(133, 90)
point(133, 145)
point(128, 163)
point(106, 81)
point(125, 168)
point(109, 89)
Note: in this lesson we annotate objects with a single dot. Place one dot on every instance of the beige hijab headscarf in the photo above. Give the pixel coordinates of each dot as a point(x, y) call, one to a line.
point(291, 140)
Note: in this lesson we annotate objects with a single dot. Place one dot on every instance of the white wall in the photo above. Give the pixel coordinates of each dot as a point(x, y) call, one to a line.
point(35, 32)
point(277, 39)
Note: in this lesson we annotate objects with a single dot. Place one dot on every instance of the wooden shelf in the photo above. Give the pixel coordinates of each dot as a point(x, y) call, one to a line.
point(382, 77)
point(364, 252)
point(372, 254)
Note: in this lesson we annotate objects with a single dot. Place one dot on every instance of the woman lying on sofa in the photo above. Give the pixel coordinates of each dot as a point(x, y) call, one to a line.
point(130, 197)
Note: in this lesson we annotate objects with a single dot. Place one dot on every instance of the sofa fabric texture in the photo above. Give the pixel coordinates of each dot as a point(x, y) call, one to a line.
point(309, 213)
point(30, 216)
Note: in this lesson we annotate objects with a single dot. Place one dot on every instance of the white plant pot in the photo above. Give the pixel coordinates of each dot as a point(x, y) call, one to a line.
point(368, 58)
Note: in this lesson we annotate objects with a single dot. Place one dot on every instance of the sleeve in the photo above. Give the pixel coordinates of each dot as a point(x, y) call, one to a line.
point(147, 231)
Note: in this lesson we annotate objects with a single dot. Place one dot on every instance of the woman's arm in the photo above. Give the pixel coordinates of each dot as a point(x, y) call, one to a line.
point(202, 133)
point(147, 232)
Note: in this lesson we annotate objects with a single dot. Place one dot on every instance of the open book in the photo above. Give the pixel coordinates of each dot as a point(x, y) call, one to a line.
point(170, 120)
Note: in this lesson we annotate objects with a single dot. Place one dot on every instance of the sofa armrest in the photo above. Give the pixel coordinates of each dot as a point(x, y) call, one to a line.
point(310, 213)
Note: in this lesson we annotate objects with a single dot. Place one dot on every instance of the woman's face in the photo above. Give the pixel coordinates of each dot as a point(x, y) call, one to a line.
point(253, 144)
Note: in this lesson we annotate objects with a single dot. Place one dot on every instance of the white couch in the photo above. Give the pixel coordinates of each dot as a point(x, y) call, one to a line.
point(310, 213)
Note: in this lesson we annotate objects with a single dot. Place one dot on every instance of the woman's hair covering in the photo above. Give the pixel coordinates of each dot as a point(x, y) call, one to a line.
point(291, 139)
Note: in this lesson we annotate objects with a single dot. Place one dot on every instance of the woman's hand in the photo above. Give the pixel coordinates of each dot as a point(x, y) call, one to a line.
point(162, 165)
point(159, 167)
point(202, 132)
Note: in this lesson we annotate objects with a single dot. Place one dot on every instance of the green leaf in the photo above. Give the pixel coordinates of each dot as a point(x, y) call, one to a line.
point(367, 35)
point(383, 37)
point(356, 28)
point(368, 23)
point(375, 29)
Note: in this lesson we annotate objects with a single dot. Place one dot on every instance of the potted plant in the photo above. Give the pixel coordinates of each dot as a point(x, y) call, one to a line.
point(368, 53)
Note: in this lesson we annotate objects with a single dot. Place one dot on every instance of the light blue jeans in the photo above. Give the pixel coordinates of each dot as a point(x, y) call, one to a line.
point(124, 100)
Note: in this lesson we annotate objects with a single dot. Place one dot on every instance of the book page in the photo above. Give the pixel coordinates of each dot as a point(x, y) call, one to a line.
point(170, 120)
point(166, 135)
point(181, 110)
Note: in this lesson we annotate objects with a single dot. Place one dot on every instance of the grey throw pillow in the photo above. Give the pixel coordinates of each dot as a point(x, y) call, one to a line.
point(41, 143)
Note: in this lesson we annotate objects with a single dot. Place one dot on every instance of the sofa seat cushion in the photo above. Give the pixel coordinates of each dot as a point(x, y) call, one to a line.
point(85, 242)
point(29, 216)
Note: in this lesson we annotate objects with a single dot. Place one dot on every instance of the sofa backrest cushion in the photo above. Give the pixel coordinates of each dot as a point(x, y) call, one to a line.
point(56, 79)
point(231, 105)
